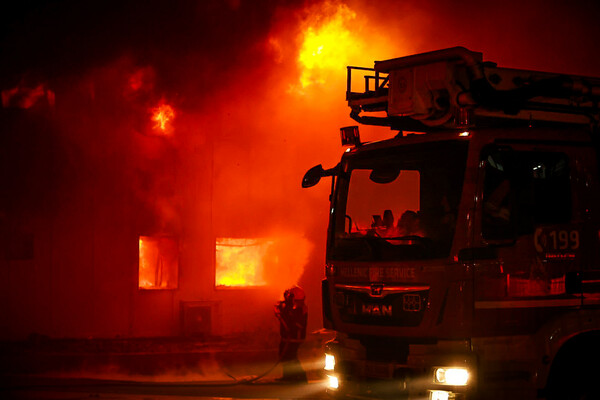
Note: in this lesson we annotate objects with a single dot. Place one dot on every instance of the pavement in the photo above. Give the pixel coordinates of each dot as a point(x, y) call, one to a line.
point(180, 361)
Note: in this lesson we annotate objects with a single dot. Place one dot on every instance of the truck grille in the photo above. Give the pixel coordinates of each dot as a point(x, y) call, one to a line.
point(381, 305)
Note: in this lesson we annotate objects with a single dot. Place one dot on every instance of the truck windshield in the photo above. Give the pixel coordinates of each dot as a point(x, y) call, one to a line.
point(399, 203)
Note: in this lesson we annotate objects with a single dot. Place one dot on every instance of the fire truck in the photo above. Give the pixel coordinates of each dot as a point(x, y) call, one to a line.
point(463, 253)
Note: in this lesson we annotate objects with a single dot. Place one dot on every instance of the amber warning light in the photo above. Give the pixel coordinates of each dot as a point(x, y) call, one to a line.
point(350, 136)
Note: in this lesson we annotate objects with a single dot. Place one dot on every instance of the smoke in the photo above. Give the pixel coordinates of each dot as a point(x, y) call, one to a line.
point(251, 114)
point(555, 35)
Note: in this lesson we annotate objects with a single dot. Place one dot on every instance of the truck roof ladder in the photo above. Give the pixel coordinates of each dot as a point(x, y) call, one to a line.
point(455, 88)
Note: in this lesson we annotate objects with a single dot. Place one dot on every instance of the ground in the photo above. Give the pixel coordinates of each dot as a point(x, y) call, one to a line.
point(152, 368)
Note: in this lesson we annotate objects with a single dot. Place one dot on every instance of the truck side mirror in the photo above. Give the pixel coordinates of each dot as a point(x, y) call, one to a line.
point(313, 176)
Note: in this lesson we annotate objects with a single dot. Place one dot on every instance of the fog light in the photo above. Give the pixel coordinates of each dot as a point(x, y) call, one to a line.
point(329, 362)
point(334, 383)
point(439, 395)
point(451, 376)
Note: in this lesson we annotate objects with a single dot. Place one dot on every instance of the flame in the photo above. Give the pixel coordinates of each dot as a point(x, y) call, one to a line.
point(239, 262)
point(145, 280)
point(162, 115)
point(327, 43)
point(157, 262)
point(277, 261)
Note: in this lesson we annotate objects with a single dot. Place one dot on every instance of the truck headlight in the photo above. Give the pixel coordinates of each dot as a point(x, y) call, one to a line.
point(329, 362)
point(451, 376)
point(333, 382)
point(439, 395)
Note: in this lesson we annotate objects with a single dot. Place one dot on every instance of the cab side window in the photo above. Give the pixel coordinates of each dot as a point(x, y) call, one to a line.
point(523, 189)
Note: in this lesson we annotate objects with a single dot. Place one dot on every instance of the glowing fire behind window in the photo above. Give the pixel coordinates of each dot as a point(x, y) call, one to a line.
point(240, 262)
point(158, 262)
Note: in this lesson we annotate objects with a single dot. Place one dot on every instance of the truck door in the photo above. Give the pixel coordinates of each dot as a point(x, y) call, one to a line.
point(536, 214)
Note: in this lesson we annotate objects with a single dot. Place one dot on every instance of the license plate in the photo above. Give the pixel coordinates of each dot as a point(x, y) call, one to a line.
point(378, 370)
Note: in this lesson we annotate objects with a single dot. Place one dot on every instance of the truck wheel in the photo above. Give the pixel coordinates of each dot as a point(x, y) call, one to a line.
point(575, 371)
point(569, 388)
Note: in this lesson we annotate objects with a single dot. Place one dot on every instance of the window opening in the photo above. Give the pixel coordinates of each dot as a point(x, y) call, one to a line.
point(240, 261)
point(523, 190)
point(399, 204)
point(158, 262)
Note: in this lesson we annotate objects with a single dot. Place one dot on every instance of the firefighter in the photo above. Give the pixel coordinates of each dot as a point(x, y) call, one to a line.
point(292, 314)
point(409, 224)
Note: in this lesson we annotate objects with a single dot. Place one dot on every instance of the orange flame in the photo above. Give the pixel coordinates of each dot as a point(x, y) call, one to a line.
point(327, 43)
point(239, 262)
point(146, 273)
point(158, 259)
point(277, 261)
point(162, 115)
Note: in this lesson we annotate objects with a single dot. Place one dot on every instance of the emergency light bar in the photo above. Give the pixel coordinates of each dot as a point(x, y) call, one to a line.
point(350, 136)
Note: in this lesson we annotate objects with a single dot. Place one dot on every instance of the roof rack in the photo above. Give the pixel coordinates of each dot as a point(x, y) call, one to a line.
point(455, 88)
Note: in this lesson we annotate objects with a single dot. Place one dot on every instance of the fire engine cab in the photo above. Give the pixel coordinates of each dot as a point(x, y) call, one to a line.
point(463, 254)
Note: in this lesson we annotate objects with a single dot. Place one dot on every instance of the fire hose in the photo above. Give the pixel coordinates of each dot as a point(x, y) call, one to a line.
point(41, 383)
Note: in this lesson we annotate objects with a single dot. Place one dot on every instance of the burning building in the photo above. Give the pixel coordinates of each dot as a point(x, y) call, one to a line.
point(152, 158)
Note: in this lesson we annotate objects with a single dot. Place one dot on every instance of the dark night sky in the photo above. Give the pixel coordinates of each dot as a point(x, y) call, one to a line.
point(58, 38)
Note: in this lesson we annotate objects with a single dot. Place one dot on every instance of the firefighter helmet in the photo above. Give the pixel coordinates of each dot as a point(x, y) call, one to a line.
point(298, 293)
